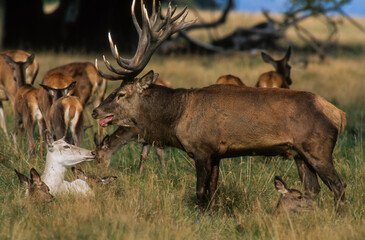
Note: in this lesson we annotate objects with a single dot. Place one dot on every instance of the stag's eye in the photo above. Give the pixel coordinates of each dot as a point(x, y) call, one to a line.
point(66, 147)
point(120, 95)
point(300, 197)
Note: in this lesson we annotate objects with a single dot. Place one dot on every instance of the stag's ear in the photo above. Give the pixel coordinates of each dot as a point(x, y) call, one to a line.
point(269, 59)
point(23, 179)
point(145, 81)
point(280, 185)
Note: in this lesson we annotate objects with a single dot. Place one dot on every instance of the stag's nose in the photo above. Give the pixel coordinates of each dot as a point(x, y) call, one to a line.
point(93, 153)
point(94, 114)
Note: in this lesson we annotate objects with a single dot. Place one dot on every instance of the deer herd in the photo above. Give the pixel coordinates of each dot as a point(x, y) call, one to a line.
point(227, 119)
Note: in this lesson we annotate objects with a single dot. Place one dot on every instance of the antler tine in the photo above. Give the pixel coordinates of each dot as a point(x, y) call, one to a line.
point(107, 76)
point(112, 46)
point(153, 10)
point(135, 22)
point(153, 30)
point(179, 14)
point(112, 69)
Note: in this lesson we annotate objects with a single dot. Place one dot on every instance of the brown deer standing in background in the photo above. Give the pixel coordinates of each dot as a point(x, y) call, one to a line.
point(53, 87)
point(230, 79)
point(36, 188)
point(222, 121)
point(67, 119)
point(90, 87)
point(8, 85)
point(280, 78)
point(291, 200)
point(26, 109)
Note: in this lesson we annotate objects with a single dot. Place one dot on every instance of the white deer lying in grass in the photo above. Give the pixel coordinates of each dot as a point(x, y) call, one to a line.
point(60, 156)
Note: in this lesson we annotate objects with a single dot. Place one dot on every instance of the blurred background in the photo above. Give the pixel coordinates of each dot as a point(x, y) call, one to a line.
point(83, 24)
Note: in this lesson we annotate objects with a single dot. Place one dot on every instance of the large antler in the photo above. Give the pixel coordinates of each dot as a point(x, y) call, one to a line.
point(155, 30)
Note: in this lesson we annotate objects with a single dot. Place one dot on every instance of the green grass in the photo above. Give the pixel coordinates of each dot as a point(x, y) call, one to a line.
point(155, 205)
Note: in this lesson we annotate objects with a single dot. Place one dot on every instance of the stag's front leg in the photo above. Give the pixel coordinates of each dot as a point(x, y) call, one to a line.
point(213, 181)
point(203, 171)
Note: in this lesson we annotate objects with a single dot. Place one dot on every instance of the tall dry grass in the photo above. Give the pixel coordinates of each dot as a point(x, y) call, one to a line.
point(155, 205)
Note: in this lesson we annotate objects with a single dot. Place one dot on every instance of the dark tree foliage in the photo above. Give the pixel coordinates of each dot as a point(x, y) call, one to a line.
point(76, 24)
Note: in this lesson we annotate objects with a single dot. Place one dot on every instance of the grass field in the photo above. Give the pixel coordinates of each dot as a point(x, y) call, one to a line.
point(155, 205)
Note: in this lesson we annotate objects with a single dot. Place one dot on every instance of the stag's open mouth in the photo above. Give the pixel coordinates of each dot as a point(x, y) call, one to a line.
point(104, 122)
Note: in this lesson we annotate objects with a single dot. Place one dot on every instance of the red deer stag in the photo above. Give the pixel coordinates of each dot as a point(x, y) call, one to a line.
point(26, 109)
point(230, 79)
point(7, 83)
point(280, 78)
point(123, 135)
point(222, 121)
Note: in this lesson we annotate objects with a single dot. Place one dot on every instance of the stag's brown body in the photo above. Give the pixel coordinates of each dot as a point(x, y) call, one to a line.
point(223, 121)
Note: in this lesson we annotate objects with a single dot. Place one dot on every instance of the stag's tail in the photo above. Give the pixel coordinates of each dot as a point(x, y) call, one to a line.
point(335, 115)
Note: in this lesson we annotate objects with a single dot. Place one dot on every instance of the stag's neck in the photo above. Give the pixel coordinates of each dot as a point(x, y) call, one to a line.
point(157, 127)
point(54, 174)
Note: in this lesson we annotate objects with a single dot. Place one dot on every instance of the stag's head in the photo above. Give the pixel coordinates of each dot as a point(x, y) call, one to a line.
point(36, 188)
point(281, 66)
point(120, 106)
point(291, 200)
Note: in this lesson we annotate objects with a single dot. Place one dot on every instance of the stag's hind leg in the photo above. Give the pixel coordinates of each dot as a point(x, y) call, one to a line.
point(319, 157)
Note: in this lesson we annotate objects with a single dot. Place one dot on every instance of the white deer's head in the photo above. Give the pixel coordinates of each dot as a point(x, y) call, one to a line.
point(66, 154)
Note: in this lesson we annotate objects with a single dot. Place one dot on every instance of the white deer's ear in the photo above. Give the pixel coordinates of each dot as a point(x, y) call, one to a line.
point(145, 81)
